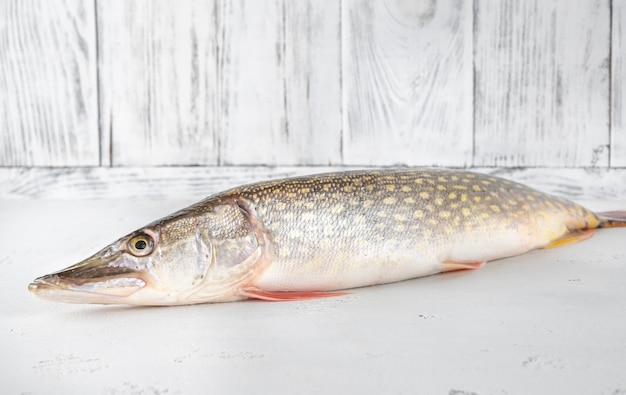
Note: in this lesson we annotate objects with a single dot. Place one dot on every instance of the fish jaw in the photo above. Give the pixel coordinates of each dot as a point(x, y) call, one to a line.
point(127, 287)
point(117, 291)
point(101, 279)
point(110, 291)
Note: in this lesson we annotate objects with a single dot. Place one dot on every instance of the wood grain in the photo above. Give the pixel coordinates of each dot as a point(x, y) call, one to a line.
point(279, 82)
point(407, 82)
point(542, 83)
point(618, 84)
point(251, 86)
point(48, 102)
point(158, 82)
point(312, 83)
point(194, 183)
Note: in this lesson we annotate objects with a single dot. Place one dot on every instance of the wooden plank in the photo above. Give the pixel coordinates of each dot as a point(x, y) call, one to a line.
point(618, 84)
point(157, 82)
point(48, 102)
point(279, 82)
point(407, 78)
point(542, 83)
point(194, 183)
point(251, 85)
point(312, 83)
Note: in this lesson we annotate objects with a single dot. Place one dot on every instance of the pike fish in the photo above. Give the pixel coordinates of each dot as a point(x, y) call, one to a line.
point(312, 236)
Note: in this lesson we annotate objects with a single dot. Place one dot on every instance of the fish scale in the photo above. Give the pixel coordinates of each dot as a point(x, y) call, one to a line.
point(301, 237)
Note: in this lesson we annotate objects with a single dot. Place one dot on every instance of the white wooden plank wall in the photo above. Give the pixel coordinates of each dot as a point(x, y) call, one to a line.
point(312, 83)
point(251, 86)
point(48, 92)
point(542, 83)
point(407, 70)
point(157, 83)
point(279, 70)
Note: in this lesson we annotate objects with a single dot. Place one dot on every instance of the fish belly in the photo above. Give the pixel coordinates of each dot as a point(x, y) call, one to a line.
point(340, 264)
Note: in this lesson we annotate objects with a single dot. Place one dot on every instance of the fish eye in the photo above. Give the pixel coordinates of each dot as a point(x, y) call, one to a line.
point(140, 245)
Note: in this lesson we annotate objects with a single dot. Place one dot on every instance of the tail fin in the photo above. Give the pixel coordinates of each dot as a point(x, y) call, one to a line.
point(612, 219)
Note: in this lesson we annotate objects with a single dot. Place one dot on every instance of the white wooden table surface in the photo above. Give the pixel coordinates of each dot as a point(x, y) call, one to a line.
point(551, 321)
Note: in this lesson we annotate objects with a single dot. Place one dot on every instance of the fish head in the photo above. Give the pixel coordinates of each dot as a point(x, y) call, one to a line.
point(190, 257)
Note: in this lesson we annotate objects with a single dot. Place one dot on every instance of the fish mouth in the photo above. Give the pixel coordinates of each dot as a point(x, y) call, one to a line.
point(91, 281)
point(103, 291)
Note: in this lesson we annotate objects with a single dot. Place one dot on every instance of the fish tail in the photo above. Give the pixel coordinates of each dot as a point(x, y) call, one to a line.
point(612, 219)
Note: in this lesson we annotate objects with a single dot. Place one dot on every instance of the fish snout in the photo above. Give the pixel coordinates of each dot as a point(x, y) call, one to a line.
point(95, 280)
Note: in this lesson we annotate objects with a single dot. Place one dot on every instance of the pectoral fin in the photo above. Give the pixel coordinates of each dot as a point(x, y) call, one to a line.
point(280, 296)
point(571, 237)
